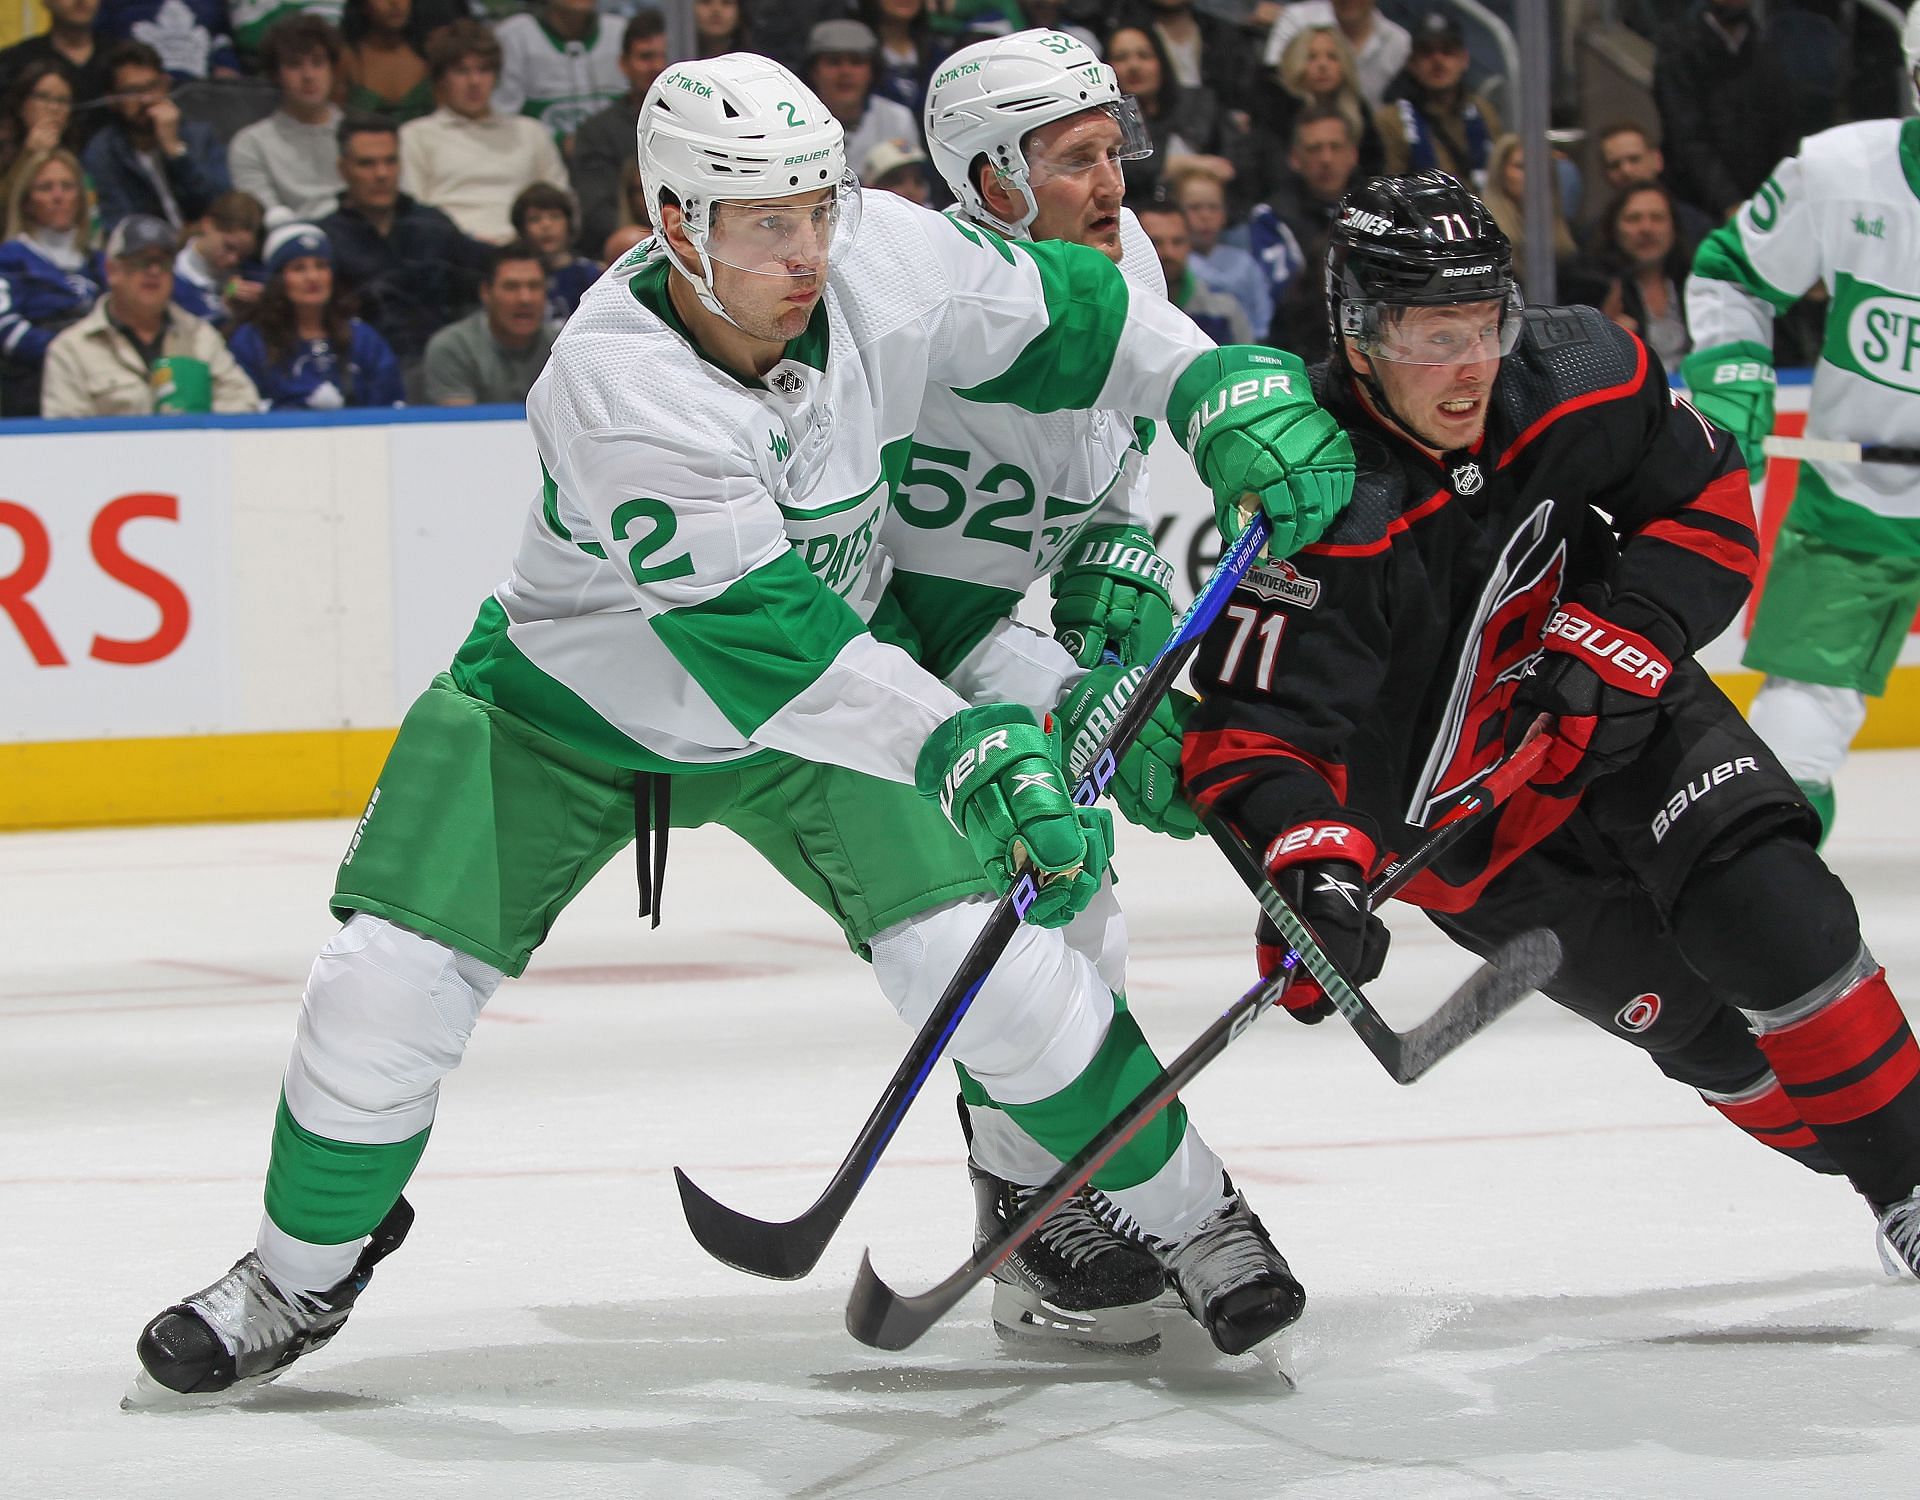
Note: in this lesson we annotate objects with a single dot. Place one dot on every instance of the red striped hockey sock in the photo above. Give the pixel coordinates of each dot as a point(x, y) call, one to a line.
point(1846, 1059)
point(1767, 1114)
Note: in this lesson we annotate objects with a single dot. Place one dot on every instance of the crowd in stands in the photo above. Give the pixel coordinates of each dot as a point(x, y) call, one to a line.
point(240, 205)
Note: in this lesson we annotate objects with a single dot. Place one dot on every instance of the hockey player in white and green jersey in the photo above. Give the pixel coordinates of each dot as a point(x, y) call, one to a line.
point(1030, 132)
point(695, 630)
point(1845, 577)
point(559, 64)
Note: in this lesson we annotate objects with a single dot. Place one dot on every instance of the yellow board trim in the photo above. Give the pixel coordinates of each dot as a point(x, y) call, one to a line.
point(324, 773)
point(327, 773)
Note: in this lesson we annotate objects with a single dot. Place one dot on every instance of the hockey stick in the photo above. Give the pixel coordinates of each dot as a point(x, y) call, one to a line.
point(1406, 1055)
point(1835, 451)
point(881, 1318)
point(787, 1251)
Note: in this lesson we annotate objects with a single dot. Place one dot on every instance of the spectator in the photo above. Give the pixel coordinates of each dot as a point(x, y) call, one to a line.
point(69, 41)
point(559, 67)
point(384, 61)
point(1203, 50)
point(146, 159)
point(906, 51)
point(1201, 197)
point(1182, 122)
point(1651, 265)
point(1628, 154)
point(193, 38)
point(409, 265)
point(898, 167)
point(49, 278)
point(495, 354)
point(604, 144)
point(1721, 94)
point(1436, 121)
point(214, 275)
point(623, 239)
point(840, 58)
point(1318, 69)
point(543, 216)
point(290, 160)
point(1380, 48)
point(1505, 196)
point(719, 28)
point(36, 116)
point(136, 353)
point(1217, 314)
point(465, 158)
point(1288, 236)
point(254, 21)
point(303, 348)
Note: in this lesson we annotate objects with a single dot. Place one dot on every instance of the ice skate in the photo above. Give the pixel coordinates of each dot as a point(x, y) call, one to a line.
point(1076, 1280)
point(1236, 1285)
point(1900, 1235)
point(243, 1330)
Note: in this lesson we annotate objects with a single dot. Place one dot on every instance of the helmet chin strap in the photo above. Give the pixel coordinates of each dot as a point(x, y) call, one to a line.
point(1377, 394)
point(1015, 182)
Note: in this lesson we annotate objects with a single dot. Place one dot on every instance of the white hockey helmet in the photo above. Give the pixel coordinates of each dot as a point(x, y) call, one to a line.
point(987, 98)
point(723, 132)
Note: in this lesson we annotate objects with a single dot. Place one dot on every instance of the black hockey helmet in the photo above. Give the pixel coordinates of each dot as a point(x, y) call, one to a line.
point(1420, 240)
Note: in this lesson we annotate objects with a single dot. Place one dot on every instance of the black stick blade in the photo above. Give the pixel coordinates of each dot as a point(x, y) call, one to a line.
point(1519, 968)
point(782, 1251)
point(881, 1318)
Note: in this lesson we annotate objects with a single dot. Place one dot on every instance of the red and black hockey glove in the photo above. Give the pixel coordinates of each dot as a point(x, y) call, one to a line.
point(1598, 678)
point(1320, 868)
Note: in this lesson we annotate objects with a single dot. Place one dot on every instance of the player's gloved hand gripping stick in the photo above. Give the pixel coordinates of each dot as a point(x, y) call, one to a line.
point(882, 1318)
point(789, 1250)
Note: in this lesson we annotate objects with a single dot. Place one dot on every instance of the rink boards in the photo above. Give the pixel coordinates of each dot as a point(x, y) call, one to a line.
point(226, 620)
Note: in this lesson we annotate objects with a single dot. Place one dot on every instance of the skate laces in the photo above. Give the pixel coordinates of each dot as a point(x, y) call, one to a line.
point(1228, 1250)
point(1900, 1235)
point(251, 1314)
point(1074, 1232)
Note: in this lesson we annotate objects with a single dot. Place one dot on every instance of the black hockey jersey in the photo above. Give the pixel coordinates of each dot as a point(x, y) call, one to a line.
point(1370, 676)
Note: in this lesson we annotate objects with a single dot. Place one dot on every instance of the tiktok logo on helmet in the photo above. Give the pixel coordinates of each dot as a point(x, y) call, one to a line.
point(1639, 1013)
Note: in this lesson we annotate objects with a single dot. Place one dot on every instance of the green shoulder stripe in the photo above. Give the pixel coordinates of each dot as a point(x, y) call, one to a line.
point(1722, 257)
point(764, 641)
point(1066, 366)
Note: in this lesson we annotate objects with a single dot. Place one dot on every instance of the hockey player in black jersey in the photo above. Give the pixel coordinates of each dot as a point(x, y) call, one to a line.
point(1543, 533)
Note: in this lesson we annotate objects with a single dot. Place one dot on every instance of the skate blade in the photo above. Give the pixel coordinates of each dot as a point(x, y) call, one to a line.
point(148, 1394)
point(1021, 1316)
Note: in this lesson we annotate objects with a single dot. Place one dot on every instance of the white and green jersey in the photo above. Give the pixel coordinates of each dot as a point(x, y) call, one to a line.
point(697, 578)
point(992, 494)
point(556, 81)
point(253, 19)
point(1845, 212)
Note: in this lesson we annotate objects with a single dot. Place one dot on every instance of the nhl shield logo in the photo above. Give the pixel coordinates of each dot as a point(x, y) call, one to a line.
point(1467, 479)
point(786, 381)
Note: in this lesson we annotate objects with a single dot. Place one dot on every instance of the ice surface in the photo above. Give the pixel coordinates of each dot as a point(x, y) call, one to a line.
point(1541, 1272)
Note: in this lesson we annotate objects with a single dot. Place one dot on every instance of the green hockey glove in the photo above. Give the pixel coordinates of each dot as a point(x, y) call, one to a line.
point(997, 777)
point(1732, 386)
point(1146, 783)
point(1112, 594)
point(1258, 438)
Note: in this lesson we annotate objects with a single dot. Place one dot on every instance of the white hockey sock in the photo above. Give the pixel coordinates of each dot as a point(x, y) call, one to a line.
point(1807, 725)
point(1171, 1204)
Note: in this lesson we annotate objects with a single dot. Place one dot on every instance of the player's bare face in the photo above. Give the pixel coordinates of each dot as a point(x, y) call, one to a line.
point(1073, 168)
point(1437, 366)
point(770, 261)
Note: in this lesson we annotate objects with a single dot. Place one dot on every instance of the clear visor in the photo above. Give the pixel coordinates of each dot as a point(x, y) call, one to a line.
point(1100, 138)
point(792, 237)
point(1453, 333)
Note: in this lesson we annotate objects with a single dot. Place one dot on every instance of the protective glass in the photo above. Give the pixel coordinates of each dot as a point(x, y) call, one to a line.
point(790, 237)
point(1110, 134)
point(1453, 333)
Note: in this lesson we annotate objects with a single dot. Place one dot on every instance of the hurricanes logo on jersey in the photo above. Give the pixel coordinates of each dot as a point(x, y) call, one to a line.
point(1639, 1013)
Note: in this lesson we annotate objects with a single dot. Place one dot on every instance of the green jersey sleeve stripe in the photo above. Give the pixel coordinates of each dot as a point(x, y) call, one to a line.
point(1066, 366)
point(761, 642)
point(950, 615)
point(1722, 257)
